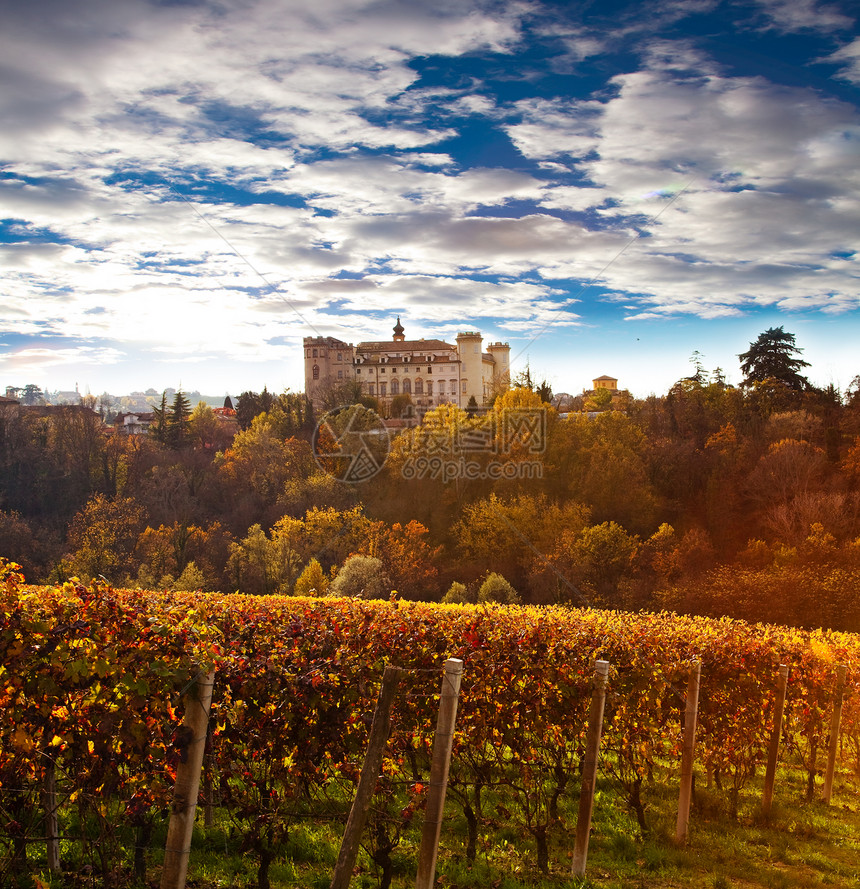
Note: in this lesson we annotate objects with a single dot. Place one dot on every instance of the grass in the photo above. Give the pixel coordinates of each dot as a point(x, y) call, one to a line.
point(800, 846)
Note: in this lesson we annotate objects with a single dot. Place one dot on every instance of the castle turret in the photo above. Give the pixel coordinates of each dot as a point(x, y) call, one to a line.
point(469, 350)
point(501, 366)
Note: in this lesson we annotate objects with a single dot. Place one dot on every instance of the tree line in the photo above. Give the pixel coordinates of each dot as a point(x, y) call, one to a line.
point(710, 498)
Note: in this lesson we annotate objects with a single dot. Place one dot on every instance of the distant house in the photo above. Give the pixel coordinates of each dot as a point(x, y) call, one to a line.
point(70, 397)
point(605, 395)
point(605, 382)
point(134, 423)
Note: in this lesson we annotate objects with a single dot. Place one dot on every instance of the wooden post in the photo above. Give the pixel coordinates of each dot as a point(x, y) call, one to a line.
point(379, 730)
point(775, 736)
point(49, 804)
point(589, 770)
point(178, 845)
point(442, 743)
point(835, 719)
point(208, 789)
point(687, 751)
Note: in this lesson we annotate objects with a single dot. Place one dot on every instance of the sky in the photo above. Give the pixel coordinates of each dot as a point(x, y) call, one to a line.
point(187, 189)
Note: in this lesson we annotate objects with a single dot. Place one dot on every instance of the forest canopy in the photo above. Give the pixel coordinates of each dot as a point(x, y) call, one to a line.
point(709, 499)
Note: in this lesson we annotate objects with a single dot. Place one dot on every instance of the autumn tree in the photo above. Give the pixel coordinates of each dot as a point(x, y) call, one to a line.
point(204, 428)
point(262, 563)
point(313, 581)
point(410, 561)
point(585, 567)
point(328, 535)
point(254, 470)
point(103, 535)
point(505, 535)
point(601, 462)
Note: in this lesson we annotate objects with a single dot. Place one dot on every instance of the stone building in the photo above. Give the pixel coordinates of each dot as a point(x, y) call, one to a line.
point(429, 371)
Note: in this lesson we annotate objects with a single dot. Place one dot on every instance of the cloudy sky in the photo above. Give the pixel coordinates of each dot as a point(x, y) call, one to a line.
point(189, 188)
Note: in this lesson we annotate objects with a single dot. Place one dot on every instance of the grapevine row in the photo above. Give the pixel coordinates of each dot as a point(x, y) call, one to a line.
point(92, 682)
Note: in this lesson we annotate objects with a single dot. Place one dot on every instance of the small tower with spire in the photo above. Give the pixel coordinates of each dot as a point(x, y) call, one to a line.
point(398, 331)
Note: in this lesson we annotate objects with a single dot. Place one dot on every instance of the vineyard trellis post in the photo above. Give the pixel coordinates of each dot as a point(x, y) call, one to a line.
point(589, 770)
point(442, 743)
point(835, 719)
point(50, 806)
point(688, 746)
point(195, 723)
point(775, 736)
point(379, 730)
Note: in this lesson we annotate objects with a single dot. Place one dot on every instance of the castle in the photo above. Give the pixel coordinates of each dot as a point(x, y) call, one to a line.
point(429, 372)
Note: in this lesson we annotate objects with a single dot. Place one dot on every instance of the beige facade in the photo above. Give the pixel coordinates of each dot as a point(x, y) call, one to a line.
point(328, 362)
point(605, 382)
point(430, 372)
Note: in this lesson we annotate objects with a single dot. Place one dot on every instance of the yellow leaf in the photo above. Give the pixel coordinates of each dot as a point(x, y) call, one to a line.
point(22, 740)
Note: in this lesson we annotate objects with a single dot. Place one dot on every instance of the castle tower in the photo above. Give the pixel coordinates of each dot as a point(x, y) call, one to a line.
point(328, 363)
point(501, 367)
point(398, 331)
point(469, 351)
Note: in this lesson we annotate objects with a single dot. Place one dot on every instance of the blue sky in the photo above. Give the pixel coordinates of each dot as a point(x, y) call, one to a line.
point(189, 188)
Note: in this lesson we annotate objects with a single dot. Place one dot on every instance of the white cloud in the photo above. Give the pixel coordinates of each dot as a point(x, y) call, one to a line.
point(763, 181)
point(152, 145)
point(847, 57)
point(804, 15)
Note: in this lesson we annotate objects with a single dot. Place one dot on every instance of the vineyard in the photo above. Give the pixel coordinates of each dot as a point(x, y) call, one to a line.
point(94, 682)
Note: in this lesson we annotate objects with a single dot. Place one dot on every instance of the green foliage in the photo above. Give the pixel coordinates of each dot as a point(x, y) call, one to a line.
point(264, 564)
point(458, 594)
point(363, 577)
point(496, 589)
point(177, 431)
point(772, 357)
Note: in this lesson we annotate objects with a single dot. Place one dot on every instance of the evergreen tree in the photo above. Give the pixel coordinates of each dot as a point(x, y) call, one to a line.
point(177, 420)
point(247, 407)
point(158, 430)
point(32, 394)
point(772, 357)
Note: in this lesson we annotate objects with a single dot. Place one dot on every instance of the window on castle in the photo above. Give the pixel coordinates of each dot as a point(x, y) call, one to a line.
point(371, 389)
point(453, 387)
point(464, 387)
point(407, 387)
point(383, 389)
point(419, 387)
point(340, 374)
point(429, 370)
point(395, 387)
point(340, 356)
point(315, 353)
point(429, 387)
point(316, 371)
point(382, 370)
